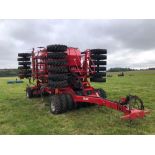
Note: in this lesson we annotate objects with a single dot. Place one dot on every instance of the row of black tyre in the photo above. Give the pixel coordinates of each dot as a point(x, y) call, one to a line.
point(57, 66)
point(96, 54)
point(24, 65)
point(98, 57)
point(57, 52)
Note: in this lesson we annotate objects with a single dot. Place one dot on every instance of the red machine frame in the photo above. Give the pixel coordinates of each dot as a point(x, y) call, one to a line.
point(40, 74)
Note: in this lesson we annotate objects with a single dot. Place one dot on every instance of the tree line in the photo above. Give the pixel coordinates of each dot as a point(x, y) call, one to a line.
point(8, 72)
point(119, 69)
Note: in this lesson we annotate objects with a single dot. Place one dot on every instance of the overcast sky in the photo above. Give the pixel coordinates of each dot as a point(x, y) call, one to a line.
point(130, 43)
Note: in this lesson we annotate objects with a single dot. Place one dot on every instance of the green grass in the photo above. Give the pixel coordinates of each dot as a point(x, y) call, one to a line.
point(19, 115)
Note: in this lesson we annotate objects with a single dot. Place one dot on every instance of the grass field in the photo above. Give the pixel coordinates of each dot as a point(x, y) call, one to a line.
point(19, 115)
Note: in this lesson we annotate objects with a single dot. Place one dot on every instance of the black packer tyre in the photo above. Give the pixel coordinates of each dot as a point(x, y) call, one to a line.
point(98, 57)
point(28, 71)
point(58, 84)
point(24, 67)
point(63, 101)
point(24, 63)
point(24, 54)
point(28, 75)
point(94, 79)
point(99, 74)
point(29, 92)
point(100, 68)
point(70, 102)
point(57, 62)
point(76, 105)
point(60, 55)
point(55, 104)
point(98, 51)
point(56, 48)
point(101, 93)
point(99, 62)
point(23, 59)
point(57, 77)
point(60, 69)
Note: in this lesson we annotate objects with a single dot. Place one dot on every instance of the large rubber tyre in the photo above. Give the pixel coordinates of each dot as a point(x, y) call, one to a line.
point(63, 102)
point(100, 69)
point(92, 79)
point(60, 55)
point(56, 48)
point(24, 63)
point(58, 84)
point(57, 62)
point(99, 62)
point(60, 69)
point(29, 92)
point(70, 102)
point(77, 105)
point(28, 72)
point(24, 67)
point(55, 105)
point(57, 77)
point(28, 75)
point(24, 54)
point(23, 59)
point(101, 93)
point(98, 51)
point(99, 74)
point(98, 57)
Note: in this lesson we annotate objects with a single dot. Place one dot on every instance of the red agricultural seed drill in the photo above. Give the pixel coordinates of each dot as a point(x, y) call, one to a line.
point(64, 73)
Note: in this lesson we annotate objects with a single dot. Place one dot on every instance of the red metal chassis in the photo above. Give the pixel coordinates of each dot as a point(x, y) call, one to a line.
point(95, 99)
point(74, 59)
